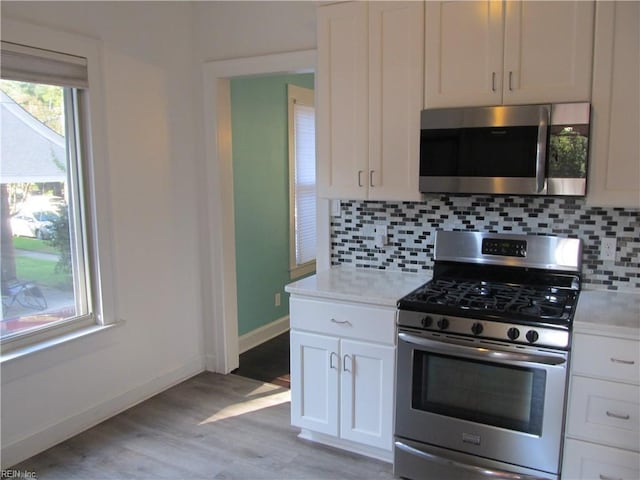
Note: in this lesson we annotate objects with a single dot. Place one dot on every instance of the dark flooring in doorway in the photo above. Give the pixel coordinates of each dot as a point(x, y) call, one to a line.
point(268, 362)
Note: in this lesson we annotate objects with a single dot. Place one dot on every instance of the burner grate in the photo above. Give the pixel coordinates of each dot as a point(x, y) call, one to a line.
point(502, 298)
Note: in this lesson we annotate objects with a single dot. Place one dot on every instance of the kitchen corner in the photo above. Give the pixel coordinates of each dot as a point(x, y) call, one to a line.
point(344, 327)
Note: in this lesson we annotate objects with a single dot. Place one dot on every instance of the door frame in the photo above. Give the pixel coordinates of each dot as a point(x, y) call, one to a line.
point(220, 308)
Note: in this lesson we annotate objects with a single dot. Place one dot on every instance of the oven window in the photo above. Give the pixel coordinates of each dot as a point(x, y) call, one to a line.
point(483, 392)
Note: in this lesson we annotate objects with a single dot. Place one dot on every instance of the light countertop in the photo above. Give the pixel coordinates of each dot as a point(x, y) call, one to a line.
point(377, 287)
point(599, 312)
point(608, 313)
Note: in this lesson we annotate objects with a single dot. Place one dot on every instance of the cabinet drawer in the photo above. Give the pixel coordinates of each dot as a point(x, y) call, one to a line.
point(584, 460)
point(606, 357)
point(376, 324)
point(605, 412)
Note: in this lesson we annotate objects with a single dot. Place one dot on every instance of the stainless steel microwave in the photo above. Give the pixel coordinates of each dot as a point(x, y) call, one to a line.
point(518, 149)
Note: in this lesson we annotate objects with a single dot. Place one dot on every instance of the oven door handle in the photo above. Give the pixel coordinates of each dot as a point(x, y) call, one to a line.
point(480, 353)
point(478, 471)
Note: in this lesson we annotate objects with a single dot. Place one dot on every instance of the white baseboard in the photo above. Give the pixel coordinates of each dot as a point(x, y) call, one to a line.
point(62, 430)
point(366, 450)
point(262, 334)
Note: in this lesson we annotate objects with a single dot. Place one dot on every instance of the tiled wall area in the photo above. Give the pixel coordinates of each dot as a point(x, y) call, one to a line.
point(412, 227)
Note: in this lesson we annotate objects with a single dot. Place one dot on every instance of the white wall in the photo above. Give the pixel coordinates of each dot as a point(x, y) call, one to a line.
point(152, 62)
point(152, 124)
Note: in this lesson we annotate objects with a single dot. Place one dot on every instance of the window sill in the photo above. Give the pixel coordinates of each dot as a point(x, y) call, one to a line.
point(302, 270)
point(44, 345)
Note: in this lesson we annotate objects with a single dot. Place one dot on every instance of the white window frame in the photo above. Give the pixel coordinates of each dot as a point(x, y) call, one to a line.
point(303, 96)
point(89, 107)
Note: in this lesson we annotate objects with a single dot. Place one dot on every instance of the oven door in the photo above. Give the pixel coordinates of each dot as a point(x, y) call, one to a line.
point(480, 398)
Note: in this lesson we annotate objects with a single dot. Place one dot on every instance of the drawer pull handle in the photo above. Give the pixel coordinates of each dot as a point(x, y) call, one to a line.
point(625, 362)
point(617, 415)
point(607, 477)
point(341, 322)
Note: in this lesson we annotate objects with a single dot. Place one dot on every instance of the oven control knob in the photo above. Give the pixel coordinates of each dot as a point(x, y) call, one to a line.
point(532, 336)
point(477, 328)
point(443, 323)
point(513, 333)
point(426, 321)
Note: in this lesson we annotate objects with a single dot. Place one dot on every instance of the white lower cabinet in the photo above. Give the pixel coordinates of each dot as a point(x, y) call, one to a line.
point(315, 382)
point(366, 393)
point(341, 386)
point(584, 460)
point(603, 427)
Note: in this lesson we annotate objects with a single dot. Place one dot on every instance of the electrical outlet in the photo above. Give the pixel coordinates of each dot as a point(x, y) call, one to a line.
point(277, 299)
point(608, 247)
point(336, 208)
point(380, 236)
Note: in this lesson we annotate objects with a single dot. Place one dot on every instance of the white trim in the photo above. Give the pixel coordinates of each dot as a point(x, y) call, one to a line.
point(221, 315)
point(66, 428)
point(263, 334)
point(342, 444)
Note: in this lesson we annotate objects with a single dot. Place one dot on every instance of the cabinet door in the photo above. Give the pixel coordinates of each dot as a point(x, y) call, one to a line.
point(315, 365)
point(463, 53)
point(396, 58)
point(614, 170)
point(548, 49)
point(342, 108)
point(367, 393)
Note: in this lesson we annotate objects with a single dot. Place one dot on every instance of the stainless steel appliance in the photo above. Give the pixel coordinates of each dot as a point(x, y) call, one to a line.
point(519, 149)
point(483, 358)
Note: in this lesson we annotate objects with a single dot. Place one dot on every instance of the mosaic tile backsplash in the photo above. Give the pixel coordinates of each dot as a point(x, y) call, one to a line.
point(412, 226)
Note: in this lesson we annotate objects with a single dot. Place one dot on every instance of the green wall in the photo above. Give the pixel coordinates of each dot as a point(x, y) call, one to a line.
point(261, 195)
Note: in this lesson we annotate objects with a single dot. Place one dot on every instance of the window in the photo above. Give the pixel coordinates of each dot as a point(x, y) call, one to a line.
point(302, 180)
point(50, 257)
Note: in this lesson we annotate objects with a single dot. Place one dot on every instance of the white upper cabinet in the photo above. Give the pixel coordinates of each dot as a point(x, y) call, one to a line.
point(369, 90)
point(396, 60)
point(492, 53)
point(548, 49)
point(463, 53)
point(614, 169)
point(342, 101)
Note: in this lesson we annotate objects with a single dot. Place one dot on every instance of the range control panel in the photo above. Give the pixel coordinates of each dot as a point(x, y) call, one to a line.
point(504, 247)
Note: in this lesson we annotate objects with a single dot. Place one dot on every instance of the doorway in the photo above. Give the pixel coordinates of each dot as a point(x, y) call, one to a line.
point(219, 278)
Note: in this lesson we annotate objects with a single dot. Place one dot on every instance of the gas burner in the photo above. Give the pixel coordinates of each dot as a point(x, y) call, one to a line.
point(505, 296)
point(495, 298)
point(543, 307)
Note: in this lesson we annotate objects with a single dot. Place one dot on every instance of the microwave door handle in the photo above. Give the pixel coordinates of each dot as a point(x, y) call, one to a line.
point(541, 148)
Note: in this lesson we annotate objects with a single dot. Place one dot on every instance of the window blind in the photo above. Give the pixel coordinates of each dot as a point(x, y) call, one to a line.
point(24, 63)
point(305, 183)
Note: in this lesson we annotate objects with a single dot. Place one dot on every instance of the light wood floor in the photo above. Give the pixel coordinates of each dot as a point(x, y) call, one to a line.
point(209, 427)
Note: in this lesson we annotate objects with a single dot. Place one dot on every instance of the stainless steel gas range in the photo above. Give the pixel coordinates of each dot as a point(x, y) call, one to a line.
point(483, 352)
